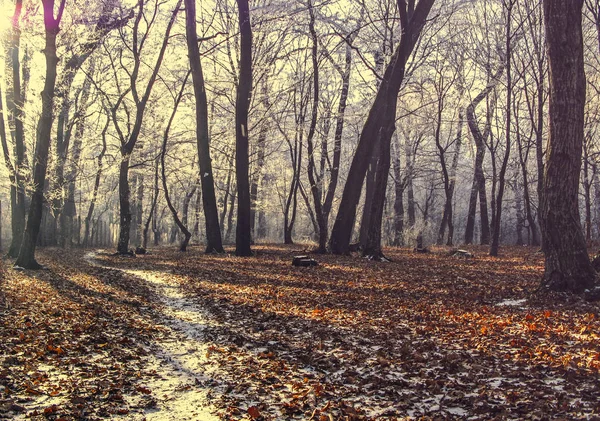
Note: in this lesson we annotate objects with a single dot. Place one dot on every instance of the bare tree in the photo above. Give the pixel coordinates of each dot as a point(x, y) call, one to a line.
point(213, 234)
point(378, 129)
point(243, 237)
point(26, 256)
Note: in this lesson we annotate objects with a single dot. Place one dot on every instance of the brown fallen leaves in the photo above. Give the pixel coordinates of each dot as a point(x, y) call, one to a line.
point(426, 335)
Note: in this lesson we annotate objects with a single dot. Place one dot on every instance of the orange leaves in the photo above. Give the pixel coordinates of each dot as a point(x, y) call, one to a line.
point(54, 349)
point(317, 312)
point(143, 390)
point(52, 409)
point(254, 412)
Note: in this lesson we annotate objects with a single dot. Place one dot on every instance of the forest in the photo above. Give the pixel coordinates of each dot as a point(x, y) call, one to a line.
point(300, 209)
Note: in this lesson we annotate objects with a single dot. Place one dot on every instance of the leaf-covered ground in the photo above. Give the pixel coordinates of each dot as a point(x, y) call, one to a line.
point(170, 335)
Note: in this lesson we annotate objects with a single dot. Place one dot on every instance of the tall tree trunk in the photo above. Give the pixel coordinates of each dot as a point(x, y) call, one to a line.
point(257, 178)
point(369, 195)
point(501, 179)
point(519, 211)
point(152, 211)
point(213, 233)
point(453, 172)
point(567, 264)
point(372, 248)
point(587, 189)
point(69, 210)
point(379, 124)
point(230, 218)
point(15, 101)
point(339, 129)
point(478, 186)
point(372, 169)
point(243, 234)
point(181, 225)
point(399, 187)
point(26, 256)
point(9, 165)
point(315, 182)
point(225, 202)
point(128, 144)
point(139, 210)
point(291, 204)
point(90, 213)
point(410, 193)
point(441, 91)
point(197, 211)
point(124, 206)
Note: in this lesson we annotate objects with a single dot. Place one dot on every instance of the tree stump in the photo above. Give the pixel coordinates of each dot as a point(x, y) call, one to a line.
point(303, 261)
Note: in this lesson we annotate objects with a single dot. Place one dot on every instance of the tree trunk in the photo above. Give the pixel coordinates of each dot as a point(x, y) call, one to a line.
point(379, 124)
point(128, 144)
point(69, 210)
point(315, 182)
point(26, 256)
point(139, 210)
point(567, 264)
point(181, 225)
point(501, 179)
point(152, 212)
point(15, 101)
point(257, 178)
point(230, 218)
point(243, 234)
point(90, 213)
point(478, 186)
point(339, 129)
point(519, 212)
point(372, 249)
point(399, 187)
point(213, 234)
point(124, 207)
point(225, 202)
point(369, 195)
point(587, 190)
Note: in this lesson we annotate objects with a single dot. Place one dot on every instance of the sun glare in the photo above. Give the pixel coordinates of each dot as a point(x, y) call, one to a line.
point(6, 11)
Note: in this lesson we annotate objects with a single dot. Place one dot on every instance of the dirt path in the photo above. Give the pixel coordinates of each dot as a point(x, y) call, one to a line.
point(179, 357)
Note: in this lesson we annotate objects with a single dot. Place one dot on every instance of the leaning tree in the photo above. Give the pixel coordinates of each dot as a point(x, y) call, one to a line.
point(377, 131)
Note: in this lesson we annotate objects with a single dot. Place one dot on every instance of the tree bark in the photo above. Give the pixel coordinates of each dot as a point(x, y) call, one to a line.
point(26, 256)
point(478, 185)
point(399, 187)
point(90, 213)
point(243, 231)
point(214, 242)
point(501, 179)
point(567, 264)
point(313, 178)
point(152, 211)
point(128, 144)
point(15, 101)
point(182, 227)
point(380, 122)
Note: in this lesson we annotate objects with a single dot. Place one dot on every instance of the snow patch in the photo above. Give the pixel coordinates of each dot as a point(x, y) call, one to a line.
point(182, 384)
point(512, 303)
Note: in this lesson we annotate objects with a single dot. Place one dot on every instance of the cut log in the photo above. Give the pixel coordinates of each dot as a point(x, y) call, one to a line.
point(303, 261)
point(462, 254)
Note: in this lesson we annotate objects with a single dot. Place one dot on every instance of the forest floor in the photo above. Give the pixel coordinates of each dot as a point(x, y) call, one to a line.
point(174, 336)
